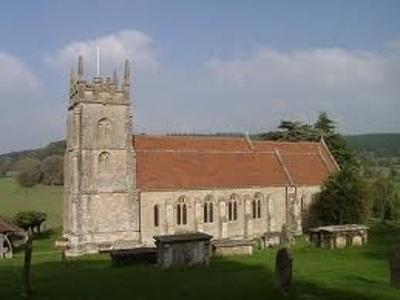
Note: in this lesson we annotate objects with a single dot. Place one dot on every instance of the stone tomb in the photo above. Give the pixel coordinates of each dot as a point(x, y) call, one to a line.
point(226, 247)
point(339, 236)
point(270, 239)
point(183, 249)
point(131, 256)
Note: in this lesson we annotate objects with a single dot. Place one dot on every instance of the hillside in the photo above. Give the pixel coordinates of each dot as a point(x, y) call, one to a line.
point(382, 144)
point(48, 199)
point(7, 160)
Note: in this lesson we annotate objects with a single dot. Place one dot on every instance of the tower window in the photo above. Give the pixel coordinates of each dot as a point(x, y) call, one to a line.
point(104, 130)
point(181, 212)
point(104, 162)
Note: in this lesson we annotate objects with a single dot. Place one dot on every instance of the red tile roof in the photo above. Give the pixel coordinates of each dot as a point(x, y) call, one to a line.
point(193, 162)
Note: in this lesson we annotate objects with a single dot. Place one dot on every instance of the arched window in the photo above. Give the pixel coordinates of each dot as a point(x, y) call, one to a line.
point(156, 215)
point(181, 212)
point(208, 210)
point(104, 130)
point(104, 162)
point(256, 206)
point(232, 208)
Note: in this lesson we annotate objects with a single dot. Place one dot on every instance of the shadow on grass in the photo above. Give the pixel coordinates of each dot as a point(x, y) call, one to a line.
point(87, 278)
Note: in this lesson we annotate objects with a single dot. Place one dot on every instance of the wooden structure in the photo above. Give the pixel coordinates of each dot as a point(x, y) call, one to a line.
point(8, 233)
point(183, 249)
point(227, 247)
point(339, 236)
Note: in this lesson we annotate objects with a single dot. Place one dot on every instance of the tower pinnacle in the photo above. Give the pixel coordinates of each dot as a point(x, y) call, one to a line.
point(127, 72)
point(80, 67)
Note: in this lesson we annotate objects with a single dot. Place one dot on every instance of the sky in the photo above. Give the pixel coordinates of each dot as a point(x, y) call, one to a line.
point(203, 66)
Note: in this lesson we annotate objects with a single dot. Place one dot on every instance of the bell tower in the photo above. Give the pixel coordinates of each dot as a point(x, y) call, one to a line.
point(101, 210)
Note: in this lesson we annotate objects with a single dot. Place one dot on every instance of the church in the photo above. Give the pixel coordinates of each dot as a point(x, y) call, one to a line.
point(123, 189)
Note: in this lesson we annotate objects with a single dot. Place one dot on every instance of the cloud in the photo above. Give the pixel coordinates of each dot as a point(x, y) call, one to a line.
point(22, 111)
point(256, 90)
point(358, 88)
point(114, 49)
point(327, 68)
point(15, 75)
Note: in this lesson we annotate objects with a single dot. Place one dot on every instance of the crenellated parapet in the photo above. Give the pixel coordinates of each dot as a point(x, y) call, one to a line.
point(104, 90)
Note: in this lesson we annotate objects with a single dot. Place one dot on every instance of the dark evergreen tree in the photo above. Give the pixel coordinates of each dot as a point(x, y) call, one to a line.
point(344, 199)
point(325, 127)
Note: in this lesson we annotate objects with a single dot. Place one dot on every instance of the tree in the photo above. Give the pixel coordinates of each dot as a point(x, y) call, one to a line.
point(385, 198)
point(52, 170)
point(324, 125)
point(326, 128)
point(5, 166)
point(28, 172)
point(344, 199)
point(30, 220)
point(292, 131)
point(344, 156)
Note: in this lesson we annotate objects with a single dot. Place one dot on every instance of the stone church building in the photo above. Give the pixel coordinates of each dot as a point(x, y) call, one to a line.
point(122, 189)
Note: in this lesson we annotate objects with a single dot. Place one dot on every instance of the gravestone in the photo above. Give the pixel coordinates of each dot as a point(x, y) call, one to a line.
point(286, 238)
point(394, 261)
point(283, 270)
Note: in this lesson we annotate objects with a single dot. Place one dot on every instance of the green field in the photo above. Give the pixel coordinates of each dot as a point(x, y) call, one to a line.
point(44, 198)
point(353, 273)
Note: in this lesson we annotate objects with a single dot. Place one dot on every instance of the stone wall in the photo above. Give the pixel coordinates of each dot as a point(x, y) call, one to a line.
point(274, 211)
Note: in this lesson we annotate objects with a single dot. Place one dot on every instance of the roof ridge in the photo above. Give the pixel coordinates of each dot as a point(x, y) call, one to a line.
point(285, 142)
point(211, 137)
point(188, 136)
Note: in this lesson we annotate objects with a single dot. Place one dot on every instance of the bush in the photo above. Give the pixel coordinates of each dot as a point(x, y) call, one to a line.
point(52, 170)
point(28, 172)
point(30, 220)
point(344, 199)
point(5, 166)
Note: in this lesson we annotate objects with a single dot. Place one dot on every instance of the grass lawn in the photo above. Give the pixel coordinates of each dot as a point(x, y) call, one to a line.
point(14, 198)
point(354, 273)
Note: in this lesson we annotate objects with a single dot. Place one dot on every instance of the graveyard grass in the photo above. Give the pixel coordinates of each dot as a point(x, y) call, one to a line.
point(353, 273)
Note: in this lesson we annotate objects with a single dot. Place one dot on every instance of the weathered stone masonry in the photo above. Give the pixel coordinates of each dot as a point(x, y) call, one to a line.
point(101, 205)
point(123, 189)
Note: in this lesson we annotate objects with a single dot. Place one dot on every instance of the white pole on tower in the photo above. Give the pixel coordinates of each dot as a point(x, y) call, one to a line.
point(97, 62)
